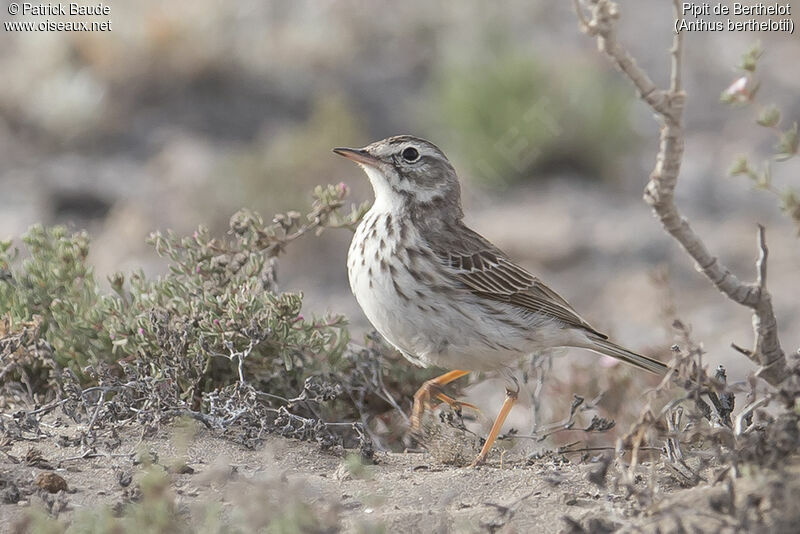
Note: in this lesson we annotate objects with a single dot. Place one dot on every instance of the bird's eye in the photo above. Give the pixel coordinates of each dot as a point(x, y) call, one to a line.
point(410, 154)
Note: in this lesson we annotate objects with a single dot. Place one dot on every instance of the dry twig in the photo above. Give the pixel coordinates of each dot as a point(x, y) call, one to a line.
point(600, 22)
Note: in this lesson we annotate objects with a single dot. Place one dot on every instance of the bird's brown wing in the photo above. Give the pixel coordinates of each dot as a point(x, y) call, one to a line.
point(489, 273)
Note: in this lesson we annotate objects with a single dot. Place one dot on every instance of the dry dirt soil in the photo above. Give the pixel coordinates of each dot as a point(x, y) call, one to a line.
point(410, 492)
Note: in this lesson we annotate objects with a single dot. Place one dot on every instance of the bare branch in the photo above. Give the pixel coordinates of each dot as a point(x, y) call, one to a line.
point(601, 25)
point(762, 259)
point(740, 427)
point(675, 81)
point(659, 193)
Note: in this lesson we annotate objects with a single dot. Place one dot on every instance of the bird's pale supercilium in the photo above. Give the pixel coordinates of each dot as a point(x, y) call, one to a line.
point(441, 293)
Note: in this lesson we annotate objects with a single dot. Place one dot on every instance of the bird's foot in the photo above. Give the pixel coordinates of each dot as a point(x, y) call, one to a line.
point(457, 405)
point(422, 398)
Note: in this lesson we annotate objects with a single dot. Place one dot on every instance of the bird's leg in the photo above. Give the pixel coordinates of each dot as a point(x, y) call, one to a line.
point(511, 398)
point(456, 405)
point(422, 398)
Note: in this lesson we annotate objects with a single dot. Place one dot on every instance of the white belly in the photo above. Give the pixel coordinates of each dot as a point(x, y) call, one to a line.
point(452, 331)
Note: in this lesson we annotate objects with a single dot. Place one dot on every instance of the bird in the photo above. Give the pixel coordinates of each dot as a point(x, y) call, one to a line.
point(442, 294)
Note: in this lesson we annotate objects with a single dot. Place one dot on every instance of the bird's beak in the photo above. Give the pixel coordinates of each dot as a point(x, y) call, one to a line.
point(359, 155)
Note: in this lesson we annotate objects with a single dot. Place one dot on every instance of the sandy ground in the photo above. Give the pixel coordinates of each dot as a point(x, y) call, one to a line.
point(409, 492)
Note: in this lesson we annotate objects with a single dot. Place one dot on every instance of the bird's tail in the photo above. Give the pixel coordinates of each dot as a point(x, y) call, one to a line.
point(604, 346)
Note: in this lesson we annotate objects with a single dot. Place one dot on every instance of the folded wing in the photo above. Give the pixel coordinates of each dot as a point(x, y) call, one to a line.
point(489, 273)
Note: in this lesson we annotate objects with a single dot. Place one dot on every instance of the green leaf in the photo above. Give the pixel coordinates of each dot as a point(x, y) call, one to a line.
point(769, 117)
point(787, 144)
point(740, 166)
point(750, 58)
point(790, 203)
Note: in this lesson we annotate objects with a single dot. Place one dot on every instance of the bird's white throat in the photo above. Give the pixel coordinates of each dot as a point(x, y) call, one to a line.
point(387, 199)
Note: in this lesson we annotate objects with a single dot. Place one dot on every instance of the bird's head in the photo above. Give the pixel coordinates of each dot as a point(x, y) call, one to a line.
point(407, 171)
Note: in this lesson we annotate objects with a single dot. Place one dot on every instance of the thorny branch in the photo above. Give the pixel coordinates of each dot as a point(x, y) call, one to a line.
point(600, 22)
point(597, 424)
point(113, 404)
point(675, 457)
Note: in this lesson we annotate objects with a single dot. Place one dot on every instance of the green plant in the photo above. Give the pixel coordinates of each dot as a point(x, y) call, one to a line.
point(214, 314)
point(578, 119)
point(277, 168)
point(56, 284)
point(213, 338)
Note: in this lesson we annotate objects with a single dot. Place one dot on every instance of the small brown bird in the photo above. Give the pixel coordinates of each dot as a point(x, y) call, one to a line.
point(441, 293)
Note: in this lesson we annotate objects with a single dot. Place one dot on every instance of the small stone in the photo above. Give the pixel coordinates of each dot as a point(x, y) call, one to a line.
point(146, 458)
point(34, 458)
point(124, 478)
point(342, 473)
point(182, 469)
point(118, 508)
point(601, 525)
point(51, 482)
point(10, 494)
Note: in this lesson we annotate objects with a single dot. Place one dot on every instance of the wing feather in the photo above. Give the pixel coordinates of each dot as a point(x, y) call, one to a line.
point(489, 273)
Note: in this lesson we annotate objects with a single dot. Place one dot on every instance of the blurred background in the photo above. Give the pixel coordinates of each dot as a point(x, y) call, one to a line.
point(189, 110)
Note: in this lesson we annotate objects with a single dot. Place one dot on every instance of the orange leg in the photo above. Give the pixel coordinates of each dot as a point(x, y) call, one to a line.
point(422, 398)
point(511, 398)
point(456, 404)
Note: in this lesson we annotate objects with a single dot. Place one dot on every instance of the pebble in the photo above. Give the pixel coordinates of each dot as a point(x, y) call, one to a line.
point(51, 482)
